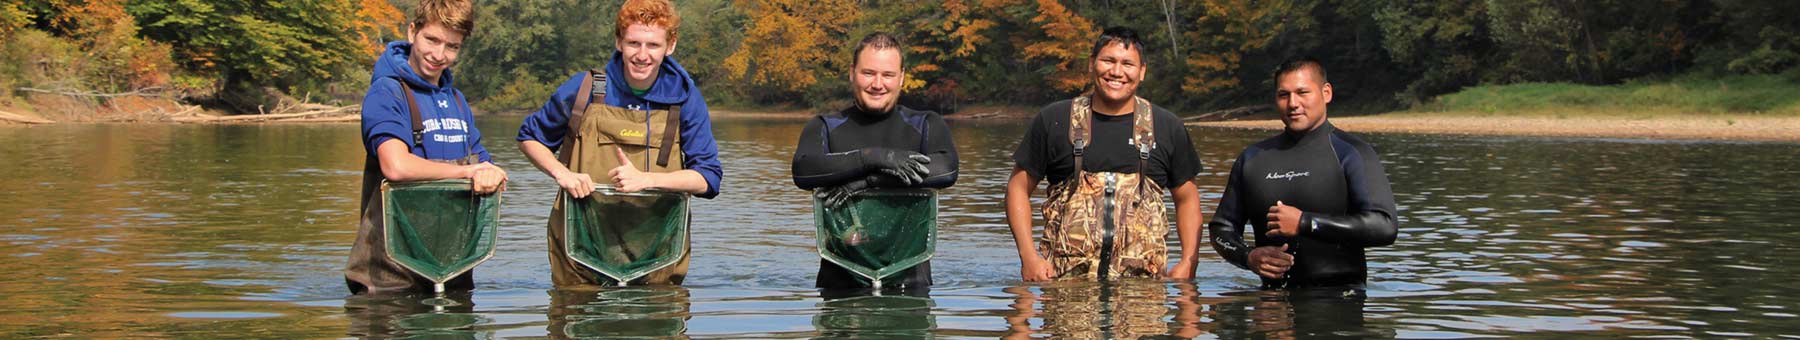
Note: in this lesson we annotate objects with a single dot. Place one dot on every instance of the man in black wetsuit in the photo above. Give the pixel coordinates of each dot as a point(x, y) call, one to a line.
point(1314, 195)
point(875, 143)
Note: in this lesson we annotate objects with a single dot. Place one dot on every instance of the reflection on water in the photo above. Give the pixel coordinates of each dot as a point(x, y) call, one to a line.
point(619, 312)
point(240, 231)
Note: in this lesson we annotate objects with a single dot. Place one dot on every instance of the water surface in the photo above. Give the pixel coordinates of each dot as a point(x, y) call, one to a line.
point(240, 231)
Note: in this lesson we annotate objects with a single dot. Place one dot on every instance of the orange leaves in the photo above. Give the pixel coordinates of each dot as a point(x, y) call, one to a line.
point(791, 43)
point(376, 19)
point(1229, 29)
point(1069, 37)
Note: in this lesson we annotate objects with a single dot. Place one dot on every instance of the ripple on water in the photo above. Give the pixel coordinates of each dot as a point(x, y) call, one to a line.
point(224, 315)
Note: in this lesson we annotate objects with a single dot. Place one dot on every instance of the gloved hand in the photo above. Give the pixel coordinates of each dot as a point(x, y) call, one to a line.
point(836, 196)
point(907, 166)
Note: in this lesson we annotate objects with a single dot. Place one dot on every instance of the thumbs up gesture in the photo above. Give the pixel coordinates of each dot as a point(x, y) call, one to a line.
point(627, 178)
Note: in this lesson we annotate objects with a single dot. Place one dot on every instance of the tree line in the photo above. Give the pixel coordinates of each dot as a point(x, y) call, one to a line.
point(1202, 54)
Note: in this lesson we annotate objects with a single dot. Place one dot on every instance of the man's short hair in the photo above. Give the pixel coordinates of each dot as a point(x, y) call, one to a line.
point(1301, 63)
point(647, 12)
point(877, 41)
point(456, 15)
point(1119, 35)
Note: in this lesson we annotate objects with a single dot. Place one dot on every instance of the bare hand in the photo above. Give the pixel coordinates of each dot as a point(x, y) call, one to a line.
point(486, 178)
point(1284, 220)
point(1036, 269)
point(579, 185)
point(1270, 262)
point(1182, 271)
point(627, 178)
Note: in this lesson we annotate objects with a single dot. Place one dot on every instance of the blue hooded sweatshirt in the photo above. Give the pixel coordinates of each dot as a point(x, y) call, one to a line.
point(450, 132)
point(673, 86)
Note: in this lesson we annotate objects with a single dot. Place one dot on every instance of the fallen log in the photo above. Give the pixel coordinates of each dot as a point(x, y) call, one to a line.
point(1228, 113)
point(267, 117)
point(17, 118)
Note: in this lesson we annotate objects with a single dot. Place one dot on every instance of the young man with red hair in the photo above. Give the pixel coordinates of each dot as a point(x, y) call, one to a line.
point(625, 115)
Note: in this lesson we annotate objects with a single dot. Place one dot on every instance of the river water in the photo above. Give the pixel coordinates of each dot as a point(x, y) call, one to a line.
point(199, 231)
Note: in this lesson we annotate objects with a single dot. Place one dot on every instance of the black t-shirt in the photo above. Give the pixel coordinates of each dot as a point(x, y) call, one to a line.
point(1047, 153)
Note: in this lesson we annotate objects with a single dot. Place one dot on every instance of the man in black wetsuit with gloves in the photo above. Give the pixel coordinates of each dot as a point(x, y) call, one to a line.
point(875, 143)
point(1314, 195)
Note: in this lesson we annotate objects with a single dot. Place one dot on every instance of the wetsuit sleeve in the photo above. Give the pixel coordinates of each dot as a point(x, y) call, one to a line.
point(384, 115)
point(697, 144)
point(550, 123)
point(1372, 221)
point(816, 167)
point(1227, 226)
point(942, 150)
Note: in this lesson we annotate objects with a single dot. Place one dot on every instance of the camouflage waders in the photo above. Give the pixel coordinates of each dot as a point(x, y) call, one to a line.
point(1107, 224)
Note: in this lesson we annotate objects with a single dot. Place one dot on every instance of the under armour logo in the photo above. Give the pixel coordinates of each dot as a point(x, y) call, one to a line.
point(443, 104)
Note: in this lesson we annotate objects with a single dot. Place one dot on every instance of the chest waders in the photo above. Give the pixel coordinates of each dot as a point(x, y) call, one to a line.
point(611, 238)
point(1107, 224)
point(444, 232)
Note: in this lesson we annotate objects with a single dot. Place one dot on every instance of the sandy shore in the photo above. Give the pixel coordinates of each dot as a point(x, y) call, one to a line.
point(1781, 129)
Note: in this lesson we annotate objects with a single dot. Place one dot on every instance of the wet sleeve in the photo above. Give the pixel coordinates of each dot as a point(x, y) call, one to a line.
point(550, 123)
point(1371, 222)
point(1032, 153)
point(697, 144)
point(1227, 226)
point(1184, 162)
point(816, 167)
point(384, 115)
point(942, 150)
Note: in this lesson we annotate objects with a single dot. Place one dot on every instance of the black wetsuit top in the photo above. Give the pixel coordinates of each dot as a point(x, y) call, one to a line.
point(827, 155)
point(1338, 183)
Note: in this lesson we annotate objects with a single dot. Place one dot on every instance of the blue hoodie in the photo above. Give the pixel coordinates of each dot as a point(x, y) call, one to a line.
point(673, 86)
point(450, 131)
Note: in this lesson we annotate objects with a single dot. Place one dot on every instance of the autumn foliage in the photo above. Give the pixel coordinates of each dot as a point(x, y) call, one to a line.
point(1200, 54)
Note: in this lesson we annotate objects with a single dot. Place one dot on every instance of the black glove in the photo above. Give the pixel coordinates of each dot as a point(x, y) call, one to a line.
point(907, 166)
point(836, 196)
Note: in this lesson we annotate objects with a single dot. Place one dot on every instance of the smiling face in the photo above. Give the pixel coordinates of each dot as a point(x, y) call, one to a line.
point(1301, 96)
point(434, 49)
point(643, 47)
point(876, 79)
point(1117, 70)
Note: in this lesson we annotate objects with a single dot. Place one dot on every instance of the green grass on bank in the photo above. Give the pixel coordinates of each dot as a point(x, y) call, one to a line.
point(1734, 95)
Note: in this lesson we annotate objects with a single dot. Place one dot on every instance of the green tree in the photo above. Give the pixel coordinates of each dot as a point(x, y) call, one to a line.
point(292, 46)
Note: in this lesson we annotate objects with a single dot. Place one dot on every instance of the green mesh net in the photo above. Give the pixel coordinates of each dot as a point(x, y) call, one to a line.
point(879, 232)
point(626, 235)
point(439, 229)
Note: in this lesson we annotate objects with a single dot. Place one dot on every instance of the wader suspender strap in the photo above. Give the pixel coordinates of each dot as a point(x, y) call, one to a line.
point(1080, 117)
point(669, 131)
point(583, 96)
point(1078, 131)
point(418, 124)
point(1143, 130)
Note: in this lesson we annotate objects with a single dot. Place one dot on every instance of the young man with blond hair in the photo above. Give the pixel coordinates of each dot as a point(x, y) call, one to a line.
point(874, 144)
point(417, 127)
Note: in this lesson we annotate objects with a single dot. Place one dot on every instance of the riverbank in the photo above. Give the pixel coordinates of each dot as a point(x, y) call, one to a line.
point(1733, 128)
